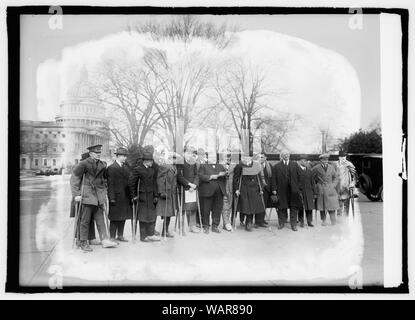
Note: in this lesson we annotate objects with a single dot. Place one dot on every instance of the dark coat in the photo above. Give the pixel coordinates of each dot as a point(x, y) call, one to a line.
point(167, 188)
point(326, 184)
point(208, 187)
point(267, 185)
point(281, 182)
point(187, 173)
point(307, 187)
point(148, 191)
point(95, 190)
point(249, 201)
point(119, 192)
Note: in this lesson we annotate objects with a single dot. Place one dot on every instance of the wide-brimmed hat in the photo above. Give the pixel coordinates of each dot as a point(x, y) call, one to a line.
point(121, 151)
point(303, 156)
point(324, 156)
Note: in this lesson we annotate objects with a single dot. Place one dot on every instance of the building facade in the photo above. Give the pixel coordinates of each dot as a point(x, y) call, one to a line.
point(58, 145)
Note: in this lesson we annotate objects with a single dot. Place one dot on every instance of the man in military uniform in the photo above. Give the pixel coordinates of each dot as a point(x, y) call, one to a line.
point(88, 177)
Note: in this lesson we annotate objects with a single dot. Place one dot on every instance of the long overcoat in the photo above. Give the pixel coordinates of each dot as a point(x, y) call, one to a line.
point(250, 184)
point(307, 187)
point(187, 173)
point(326, 182)
point(267, 176)
point(94, 185)
point(167, 188)
point(287, 190)
point(118, 190)
point(145, 178)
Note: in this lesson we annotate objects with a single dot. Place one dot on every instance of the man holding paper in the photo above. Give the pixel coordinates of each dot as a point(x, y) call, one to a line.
point(212, 177)
point(188, 180)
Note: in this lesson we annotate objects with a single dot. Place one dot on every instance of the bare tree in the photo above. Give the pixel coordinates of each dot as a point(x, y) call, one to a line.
point(180, 84)
point(241, 91)
point(123, 86)
point(186, 28)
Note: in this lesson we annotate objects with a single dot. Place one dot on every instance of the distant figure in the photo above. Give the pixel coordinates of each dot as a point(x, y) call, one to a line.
point(326, 179)
point(120, 209)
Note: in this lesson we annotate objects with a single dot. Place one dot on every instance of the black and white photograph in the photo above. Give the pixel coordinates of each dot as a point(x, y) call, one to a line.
point(209, 149)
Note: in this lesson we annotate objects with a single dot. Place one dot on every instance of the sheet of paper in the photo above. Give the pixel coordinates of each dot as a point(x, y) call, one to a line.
point(189, 196)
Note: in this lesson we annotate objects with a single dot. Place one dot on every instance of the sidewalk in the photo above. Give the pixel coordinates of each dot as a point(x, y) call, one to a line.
point(311, 256)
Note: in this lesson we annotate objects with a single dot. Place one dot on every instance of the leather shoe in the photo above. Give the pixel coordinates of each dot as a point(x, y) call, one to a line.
point(280, 226)
point(122, 239)
point(248, 227)
point(261, 225)
point(206, 230)
point(302, 224)
point(310, 224)
point(294, 228)
point(85, 246)
point(215, 229)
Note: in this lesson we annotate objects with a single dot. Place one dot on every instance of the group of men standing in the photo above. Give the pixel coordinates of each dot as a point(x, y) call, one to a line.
point(217, 189)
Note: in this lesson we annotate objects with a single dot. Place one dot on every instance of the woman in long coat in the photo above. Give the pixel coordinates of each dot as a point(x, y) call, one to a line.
point(247, 186)
point(120, 208)
point(326, 179)
point(143, 190)
point(167, 188)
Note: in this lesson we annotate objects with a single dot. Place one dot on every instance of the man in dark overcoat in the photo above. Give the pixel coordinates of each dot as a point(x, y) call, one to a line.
point(212, 188)
point(120, 208)
point(266, 168)
point(144, 177)
point(308, 192)
point(88, 178)
point(282, 187)
point(188, 180)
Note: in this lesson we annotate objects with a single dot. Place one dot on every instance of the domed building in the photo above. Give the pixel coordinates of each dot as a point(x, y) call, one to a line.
point(83, 119)
point(59, 144)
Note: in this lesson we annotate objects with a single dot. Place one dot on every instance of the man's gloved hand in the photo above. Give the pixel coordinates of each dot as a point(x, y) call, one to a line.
point(155, 200)
point(112, 203)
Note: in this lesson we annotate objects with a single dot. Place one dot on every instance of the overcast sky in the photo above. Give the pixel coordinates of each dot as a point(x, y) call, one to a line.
point(359, 47)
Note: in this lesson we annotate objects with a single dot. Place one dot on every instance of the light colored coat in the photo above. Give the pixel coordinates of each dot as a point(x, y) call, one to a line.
point(326, 184)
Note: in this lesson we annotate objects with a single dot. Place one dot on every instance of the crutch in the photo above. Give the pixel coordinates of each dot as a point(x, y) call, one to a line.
point(262, 195)
point(165, 210)
point(133, 222)
point(135, 211)
point(76, 230)
point(105, 213)
point(182, 216)
point(352, 200)
point(236, 203)
point(198, 209)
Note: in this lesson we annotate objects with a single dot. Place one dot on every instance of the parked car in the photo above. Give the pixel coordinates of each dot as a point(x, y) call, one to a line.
point(369, 169)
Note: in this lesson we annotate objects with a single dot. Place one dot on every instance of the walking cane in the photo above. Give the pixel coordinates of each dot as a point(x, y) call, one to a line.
point(183, 216)
point(135, 211)
point(262, 195)
point(352, 200)
point(132, 222)
point(236, 203)
point(76, 231)
point(106, 220)
point(165, 211)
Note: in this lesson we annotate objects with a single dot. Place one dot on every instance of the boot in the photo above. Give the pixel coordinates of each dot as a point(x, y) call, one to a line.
point(248, 226)
point(85, 246)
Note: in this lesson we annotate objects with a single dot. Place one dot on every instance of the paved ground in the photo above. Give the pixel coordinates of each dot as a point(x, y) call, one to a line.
point(315, 256)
